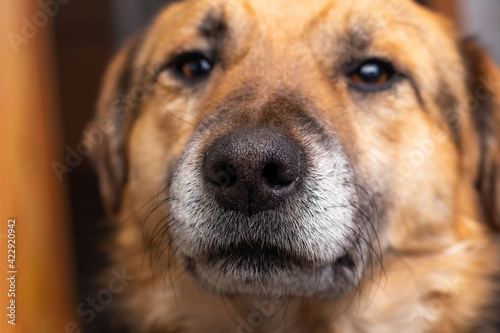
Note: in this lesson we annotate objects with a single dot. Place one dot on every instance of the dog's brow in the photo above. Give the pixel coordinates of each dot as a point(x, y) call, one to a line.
point(213, 26)
point(358, 38)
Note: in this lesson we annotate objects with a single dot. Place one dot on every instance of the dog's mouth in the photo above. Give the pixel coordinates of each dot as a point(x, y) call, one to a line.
point(264, 258)
point(254, 268)
point(254, 257)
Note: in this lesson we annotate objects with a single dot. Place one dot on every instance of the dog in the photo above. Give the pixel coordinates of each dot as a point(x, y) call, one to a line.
point(319, 166)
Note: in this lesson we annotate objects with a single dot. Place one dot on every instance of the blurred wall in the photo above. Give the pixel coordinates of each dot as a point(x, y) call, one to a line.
point(481, 18)
point(129, 16)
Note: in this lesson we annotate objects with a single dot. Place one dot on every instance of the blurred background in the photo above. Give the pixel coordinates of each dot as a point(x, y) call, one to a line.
point(50, 84)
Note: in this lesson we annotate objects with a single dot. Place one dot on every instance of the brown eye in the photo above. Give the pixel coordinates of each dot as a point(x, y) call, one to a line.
point(193, 66)
point(372, 74)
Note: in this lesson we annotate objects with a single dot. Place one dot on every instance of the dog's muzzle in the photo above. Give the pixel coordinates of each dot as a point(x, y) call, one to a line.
point(257, 209)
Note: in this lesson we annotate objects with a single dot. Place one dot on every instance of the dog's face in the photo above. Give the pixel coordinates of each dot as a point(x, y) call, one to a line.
point(290, 145)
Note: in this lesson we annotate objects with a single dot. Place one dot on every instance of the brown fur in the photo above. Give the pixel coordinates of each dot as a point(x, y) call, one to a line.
point(428, 150)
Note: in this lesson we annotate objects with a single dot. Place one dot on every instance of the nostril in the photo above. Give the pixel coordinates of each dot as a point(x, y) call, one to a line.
point(274, 176)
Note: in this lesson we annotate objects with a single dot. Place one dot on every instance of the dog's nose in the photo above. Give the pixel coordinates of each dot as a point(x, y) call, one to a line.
point(253, 170)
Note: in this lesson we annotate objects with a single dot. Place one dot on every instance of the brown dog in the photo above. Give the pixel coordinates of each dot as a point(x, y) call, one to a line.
point(303, 166)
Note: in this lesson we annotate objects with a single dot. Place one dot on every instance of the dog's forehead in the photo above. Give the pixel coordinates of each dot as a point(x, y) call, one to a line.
point(304, 11)
point(286, 16)
point(194, 23)
point(301, 13)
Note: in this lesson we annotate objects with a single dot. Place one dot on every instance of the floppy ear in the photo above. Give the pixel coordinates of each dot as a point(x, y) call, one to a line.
point(110, 128)
point(484, 86)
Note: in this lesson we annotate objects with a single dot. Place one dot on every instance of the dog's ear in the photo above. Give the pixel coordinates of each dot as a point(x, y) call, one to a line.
point(484, 87)
point(110, 128)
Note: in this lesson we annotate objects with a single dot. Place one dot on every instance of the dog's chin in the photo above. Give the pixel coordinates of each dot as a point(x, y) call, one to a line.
point(271, 273)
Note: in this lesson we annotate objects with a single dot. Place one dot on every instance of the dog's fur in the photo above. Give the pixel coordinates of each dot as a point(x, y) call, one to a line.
point(393, 228)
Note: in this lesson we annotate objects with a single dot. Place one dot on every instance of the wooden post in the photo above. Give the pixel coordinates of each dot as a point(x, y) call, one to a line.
point(30, 191)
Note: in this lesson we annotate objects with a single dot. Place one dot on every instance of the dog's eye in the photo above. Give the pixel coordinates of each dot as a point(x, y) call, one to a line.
point(372, 74)
point(193, 65)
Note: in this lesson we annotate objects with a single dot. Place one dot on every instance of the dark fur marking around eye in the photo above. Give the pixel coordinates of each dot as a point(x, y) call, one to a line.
point(214, 26)
point(353, 43)
point(359, 39)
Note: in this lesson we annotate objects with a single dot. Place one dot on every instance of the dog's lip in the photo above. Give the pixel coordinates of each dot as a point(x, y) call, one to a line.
point(264, 272)
point(254, 253)
point(263, 258)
